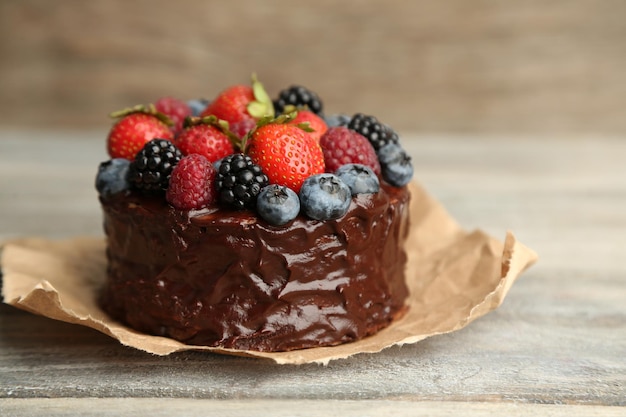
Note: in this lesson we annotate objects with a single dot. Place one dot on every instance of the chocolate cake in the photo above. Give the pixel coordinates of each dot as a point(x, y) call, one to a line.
point(245, 229)
point(229, 279)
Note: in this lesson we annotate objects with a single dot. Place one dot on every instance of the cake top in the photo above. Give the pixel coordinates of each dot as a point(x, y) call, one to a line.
point(244, 151)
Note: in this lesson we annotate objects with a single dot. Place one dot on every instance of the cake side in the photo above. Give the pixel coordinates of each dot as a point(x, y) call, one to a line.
point(229, 279)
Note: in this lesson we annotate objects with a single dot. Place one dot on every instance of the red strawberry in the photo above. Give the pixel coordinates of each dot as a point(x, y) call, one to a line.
point(192, 183)
point(241, 102)
point(231, 104)
point(136, 127)
point(286, 153)
point(175, 109)
point(341, 146)
point(316, 124)
point(205, 137)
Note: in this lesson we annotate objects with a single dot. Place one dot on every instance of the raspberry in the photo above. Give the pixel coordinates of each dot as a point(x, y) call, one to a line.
point(153, 164)
point(341, 146)
point(192, 183)
point(239, 181)
point(175, 109)
point(298, 96)
point(242, 127)
point(376, 132)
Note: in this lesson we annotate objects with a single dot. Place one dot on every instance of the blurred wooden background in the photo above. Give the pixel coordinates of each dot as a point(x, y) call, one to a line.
point(482, 66)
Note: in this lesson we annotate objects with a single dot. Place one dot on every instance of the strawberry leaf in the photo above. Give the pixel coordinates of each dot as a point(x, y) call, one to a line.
point(306, 127)
point(141, 108)
point(262, 105)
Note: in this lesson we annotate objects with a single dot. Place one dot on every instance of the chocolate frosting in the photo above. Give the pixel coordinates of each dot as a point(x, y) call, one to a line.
point(224, 278)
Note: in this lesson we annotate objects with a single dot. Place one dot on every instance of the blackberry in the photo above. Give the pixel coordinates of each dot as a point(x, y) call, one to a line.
point(153, 164)
point(377, 133)
point(297, 95)
point(239, 181)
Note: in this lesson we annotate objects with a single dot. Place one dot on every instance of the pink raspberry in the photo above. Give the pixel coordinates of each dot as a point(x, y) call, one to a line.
point(192, 183)
point(242, 127)
point(175, 109)
point(341, 146)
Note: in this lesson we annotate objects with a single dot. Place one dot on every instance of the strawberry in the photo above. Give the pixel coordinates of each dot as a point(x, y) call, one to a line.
point(241, 102)
point(205, 136)
point(135, 127)
point(175, 109)
point(286, 153)
point(317, 125)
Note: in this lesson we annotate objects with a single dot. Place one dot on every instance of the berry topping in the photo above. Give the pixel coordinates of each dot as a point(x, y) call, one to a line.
point(239, 181)
point(286, 153)
point(197, 106)
point(316, 125)
point(277, 204)
point(205, 137)
point(359, 178)
point(241, 102)
point(344, 146)
point(151, 169)
point(376, 132)
point(175, 109)
point(227, 150)
point(298, 96)
point(136, 126)
point(324, 197)
point(396, 165)
point(192, 183)
point(112, 177)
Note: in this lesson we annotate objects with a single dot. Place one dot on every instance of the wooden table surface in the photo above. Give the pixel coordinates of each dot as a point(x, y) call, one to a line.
point(557, 346)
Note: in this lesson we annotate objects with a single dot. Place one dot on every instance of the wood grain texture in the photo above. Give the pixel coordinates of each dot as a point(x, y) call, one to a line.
point(424, 66)
point(558, 339)
point(158, 407)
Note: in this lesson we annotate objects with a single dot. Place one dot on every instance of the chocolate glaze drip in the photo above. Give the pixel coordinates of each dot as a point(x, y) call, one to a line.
point(228, 279)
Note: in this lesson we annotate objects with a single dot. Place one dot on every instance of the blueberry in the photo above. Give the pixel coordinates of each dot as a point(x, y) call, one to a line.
point(395, 164)
point(359, 178)
point(112, 177)
point(324, 197)
point(277, 204)
point(334, 120)
point(217, 164)
point(197, 106)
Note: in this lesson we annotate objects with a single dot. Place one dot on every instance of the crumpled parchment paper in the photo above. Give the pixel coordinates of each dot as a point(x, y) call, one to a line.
point(454, 277)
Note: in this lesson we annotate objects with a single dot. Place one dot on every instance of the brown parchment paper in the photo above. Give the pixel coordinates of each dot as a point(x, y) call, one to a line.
point(454, 277)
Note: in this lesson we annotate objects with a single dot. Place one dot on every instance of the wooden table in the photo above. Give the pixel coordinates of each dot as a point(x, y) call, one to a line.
point(557, 346)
